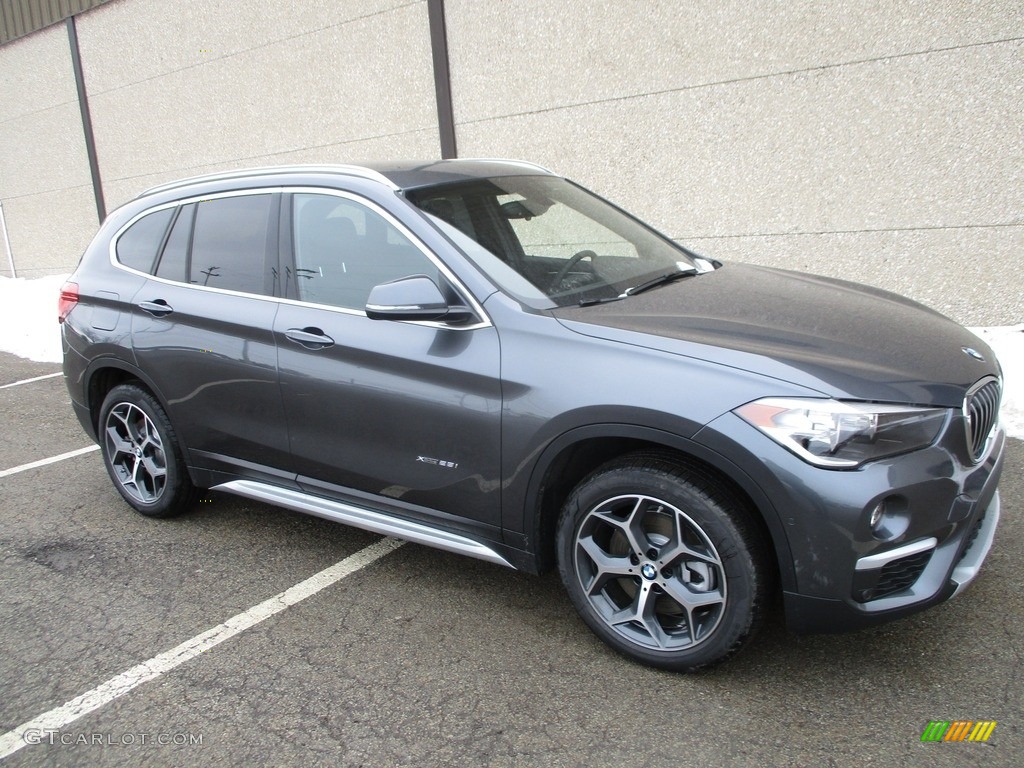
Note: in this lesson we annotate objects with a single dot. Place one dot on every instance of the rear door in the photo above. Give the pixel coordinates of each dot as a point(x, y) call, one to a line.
point(202, 329)
point(398, 413)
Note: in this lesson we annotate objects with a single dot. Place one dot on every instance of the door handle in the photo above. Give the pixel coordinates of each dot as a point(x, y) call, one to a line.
point(310, 338)
point(158, 308)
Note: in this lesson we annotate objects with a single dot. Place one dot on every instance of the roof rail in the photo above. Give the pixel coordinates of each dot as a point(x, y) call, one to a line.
point(348, 170)
point(520, 163)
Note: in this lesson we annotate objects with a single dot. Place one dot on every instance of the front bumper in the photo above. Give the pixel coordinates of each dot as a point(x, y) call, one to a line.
point(978, 545)
point(839, 574)
point(815, 615)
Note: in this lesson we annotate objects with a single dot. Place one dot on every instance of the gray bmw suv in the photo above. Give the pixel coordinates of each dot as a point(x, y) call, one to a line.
point(484, 357)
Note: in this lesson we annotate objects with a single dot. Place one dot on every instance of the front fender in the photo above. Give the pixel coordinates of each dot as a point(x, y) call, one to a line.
point(536, 519)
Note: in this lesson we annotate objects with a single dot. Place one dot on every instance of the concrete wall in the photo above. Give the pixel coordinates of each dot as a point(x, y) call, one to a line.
point(876, 140)
point(44, 174)
point(178, 89)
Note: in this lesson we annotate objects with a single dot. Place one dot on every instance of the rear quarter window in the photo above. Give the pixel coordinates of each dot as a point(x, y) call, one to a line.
point(138, 245)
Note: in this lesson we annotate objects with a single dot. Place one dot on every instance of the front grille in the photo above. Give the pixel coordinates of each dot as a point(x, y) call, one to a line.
point(900, 574)
point(981, 409)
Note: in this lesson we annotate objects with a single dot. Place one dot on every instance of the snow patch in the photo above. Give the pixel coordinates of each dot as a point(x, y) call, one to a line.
point(28, 317)
point(1008, 344)
point(29, 328)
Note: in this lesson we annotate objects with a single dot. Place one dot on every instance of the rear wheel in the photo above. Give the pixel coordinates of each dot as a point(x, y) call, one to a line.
point(663, 562)
point(141, 453)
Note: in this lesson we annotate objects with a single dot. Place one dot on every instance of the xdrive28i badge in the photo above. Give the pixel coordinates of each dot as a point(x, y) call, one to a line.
point(437, 462)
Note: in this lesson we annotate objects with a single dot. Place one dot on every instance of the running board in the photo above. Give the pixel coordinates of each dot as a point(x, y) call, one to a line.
point(361, 517)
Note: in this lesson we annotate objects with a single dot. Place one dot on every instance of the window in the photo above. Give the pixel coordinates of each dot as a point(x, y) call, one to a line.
point(137, 247)
point(173, 263)
point(344, 248)
point(563, 231)
point(571, 245)
point(231, 242)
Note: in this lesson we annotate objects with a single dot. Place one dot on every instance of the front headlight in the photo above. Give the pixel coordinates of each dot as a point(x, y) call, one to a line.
point(830, 433)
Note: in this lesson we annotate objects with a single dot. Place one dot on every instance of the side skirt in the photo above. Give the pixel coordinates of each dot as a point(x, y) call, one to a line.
point(362, 517)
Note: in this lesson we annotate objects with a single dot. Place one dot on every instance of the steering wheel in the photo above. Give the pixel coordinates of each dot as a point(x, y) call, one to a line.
point(575, 259)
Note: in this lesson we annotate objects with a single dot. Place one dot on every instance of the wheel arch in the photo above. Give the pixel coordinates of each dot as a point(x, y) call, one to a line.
point(103, 375)
point(573, 455)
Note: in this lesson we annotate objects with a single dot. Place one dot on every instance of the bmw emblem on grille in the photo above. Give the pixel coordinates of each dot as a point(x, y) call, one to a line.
point(972, 352)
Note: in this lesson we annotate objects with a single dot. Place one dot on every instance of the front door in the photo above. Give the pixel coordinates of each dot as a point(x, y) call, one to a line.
point(397, 413)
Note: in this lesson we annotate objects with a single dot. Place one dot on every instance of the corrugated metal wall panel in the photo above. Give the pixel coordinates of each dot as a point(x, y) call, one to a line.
point(23, 17)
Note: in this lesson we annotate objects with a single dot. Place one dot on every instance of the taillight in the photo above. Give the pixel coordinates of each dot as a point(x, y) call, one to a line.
point(67, 301)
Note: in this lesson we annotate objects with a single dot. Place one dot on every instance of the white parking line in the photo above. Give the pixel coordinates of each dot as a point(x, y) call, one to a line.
point(51, 460)
point(118, 686)
point(29, 381)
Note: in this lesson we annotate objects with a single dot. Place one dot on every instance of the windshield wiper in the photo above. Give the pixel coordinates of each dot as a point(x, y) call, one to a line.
point(659, 280)
point(602, 300)
point(653, 282)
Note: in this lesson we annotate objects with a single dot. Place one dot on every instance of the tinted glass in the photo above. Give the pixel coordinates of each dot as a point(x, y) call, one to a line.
point(343, 249)
point(174, 260)
point(230, 243)
point(137, 247)
point(570, 245)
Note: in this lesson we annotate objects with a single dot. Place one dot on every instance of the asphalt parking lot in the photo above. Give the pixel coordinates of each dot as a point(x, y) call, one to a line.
point(423, 658)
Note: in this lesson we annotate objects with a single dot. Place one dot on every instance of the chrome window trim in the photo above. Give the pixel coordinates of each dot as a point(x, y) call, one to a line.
point(112, 254)
point(467, 296)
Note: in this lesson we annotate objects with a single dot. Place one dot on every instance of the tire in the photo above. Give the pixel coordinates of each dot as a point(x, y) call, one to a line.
point(141, 453)
point(663, 562)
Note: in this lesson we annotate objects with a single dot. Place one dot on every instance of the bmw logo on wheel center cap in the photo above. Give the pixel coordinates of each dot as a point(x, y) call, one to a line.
point(649, 571)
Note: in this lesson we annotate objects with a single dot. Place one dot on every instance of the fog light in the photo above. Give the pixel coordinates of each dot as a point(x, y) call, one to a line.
point(889, 518)
point(876, 516)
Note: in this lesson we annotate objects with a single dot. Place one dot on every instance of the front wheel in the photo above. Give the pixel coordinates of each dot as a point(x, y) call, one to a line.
point(663, 562)
point(141, 453)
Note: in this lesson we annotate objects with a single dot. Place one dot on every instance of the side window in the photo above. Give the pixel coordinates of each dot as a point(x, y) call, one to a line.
point(173, 264)
point(230, 243)
point(343, 249)
point(137, 247)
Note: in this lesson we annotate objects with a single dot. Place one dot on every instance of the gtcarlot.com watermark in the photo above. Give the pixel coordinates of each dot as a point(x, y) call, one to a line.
point(109, 739)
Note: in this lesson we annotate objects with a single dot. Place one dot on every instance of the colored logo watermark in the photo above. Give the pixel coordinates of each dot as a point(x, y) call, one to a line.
point(958, 730)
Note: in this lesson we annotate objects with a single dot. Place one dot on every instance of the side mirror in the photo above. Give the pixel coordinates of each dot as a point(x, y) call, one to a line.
point(412, 298)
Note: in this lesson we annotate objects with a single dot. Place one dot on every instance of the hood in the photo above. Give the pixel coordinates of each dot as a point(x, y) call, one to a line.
point(842, 339)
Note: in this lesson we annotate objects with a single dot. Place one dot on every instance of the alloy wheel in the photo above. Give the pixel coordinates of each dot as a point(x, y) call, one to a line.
point(135, 451)
point(650, 572)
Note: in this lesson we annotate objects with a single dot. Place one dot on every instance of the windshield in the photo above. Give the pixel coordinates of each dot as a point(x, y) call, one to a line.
point(543, 237)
